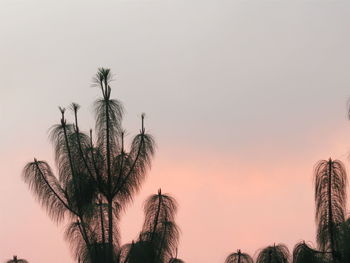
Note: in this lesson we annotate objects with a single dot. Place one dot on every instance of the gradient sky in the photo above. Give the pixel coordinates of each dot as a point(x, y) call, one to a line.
point(243, 98)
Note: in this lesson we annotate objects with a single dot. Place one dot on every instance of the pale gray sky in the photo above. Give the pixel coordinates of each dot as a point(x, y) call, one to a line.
point(243, 98)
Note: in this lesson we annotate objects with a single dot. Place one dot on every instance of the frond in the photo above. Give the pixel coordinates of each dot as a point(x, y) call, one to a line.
point(330, 198)
point(17, 260)
point(159, 228)
point(74, 175)
point(108, 112)
point(99, 221)
point(303, 253)
point(102, 78)
point(77, 242)
point(273, 254)
point(39, 176)
point(57, 135)
point(135, 165)
point(167, 244)
point(86, 248)
point(143, 148)
point(158, 208)
point(74, 107)
point(82, 192)
point(239, 257)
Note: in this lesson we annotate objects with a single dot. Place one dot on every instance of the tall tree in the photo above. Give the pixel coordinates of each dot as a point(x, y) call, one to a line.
point(96, 178)
point(119, 174)
point(239, 257)
point(330, 198)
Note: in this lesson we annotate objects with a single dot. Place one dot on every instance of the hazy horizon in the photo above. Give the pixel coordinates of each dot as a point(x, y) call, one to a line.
point(243, 98)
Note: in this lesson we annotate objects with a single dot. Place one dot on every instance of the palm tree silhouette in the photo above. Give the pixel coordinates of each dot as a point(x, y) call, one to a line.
point(330, 197)
point(95, 179)
point(16, 260)
point(159, 227)
point(238, 257)
point(303, 253)
point(158, 239)
point(273, 254)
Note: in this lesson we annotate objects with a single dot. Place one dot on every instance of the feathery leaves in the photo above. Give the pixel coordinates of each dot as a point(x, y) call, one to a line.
point(303, 253)
point(274, 254)
point(16, 260)
point(238, 257)
point(330, 197)
point(159, 228)
point(94, 182)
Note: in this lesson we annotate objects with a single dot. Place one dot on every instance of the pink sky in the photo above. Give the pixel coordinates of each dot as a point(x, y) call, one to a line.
point(243, 98)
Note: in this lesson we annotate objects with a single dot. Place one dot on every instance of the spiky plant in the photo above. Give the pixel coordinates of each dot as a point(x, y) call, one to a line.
point(330, 198)
point(16, 260)
point(273, 254)
point(95, 180)
point(303, 253)
point(159, 235)
point(239, 257)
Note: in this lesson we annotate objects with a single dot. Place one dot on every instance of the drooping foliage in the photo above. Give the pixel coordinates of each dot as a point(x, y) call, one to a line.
point(303, 253)
point(273, 254)
point(239, 257)
point(330, 197)
point(158, 240)
point(96, 178)
point(16, 260)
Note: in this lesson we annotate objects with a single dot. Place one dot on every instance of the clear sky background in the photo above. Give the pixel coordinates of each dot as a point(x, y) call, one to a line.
point(243, 98)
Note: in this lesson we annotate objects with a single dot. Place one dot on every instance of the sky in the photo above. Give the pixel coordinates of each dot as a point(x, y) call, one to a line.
point(243, 98)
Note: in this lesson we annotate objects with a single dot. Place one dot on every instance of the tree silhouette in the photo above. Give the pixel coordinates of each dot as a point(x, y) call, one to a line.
point(159, 227)
point(238, 257)
point(16, 260)
point(273, 254)
point(95, 180)
point(330, 197)
point(303, 253)
point(158, 239)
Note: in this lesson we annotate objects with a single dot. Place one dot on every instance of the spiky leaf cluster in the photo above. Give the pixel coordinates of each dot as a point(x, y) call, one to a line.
point(158, 240)
point(303, 253)
point(330, 197)
point(238, 257)
point(16, 260)
point(273, 254)
point(96, 177)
